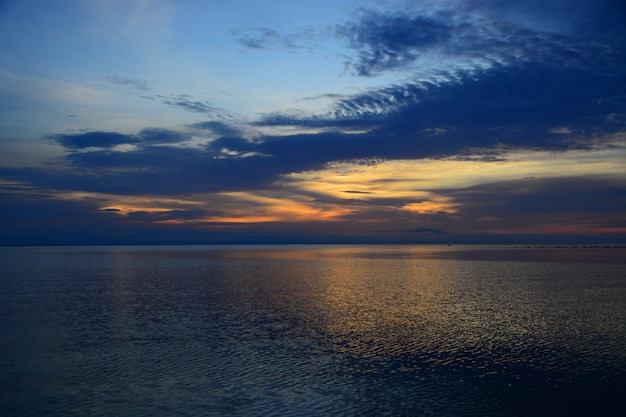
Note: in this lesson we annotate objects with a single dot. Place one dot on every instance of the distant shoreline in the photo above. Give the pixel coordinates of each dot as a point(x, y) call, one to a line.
point(442, 245)
point(572, 247)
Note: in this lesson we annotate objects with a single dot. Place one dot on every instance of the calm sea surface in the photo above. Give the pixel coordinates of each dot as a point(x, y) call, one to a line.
point(312, 331)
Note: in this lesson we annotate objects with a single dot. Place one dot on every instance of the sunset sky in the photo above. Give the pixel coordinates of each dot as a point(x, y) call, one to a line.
point(282, 121)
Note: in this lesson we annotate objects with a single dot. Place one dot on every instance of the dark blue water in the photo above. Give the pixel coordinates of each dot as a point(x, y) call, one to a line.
point(312, 331)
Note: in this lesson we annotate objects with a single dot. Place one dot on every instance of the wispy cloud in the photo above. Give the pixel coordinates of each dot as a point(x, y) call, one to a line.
point(463, 38)
point(265, 38)
point(185, 102)
point(385, 42)
point(139, 84)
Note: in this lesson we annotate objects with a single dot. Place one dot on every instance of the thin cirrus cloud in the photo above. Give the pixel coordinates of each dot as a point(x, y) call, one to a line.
point(265, 38)
point(474, 101)
point(184, 102)
point(139, 84)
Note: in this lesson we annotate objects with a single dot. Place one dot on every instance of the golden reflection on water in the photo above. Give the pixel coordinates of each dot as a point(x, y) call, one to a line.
point(420, 312)
point(281, 329)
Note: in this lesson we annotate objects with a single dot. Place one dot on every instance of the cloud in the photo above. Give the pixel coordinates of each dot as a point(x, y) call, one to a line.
point(218, 128)
point(477, 35)
point(473, 82)
point(162, 170)
point(162, 216)
point(41, 218)
point(110, 210)
point(468, 117)
point(571, 203)
point(467, 114)
point(108, 140)
point(139, 84)
point(185, 102)
point(265, 38)
point(257, 38)
point(514, 76)
point(512, 105)
point(49, 219)
point(92, 139)
point(386, 42)
point(157, 136)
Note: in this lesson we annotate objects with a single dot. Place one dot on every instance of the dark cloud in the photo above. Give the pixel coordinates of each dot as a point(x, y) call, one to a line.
point(38, 218)
point(107, 140)
point(479, 34)
point(557, 209)
point(92, 139)
point(577, 18)
point(567, 202)
point(510, 106)
point(169, 169)
point(139, 84)
point(42, 219)
point(386, 42)
point(110, 210)
point(516, 105)
point(485, 212)
point(461, 117)
point(160, 170)
point(530, 98)
point(528, 77)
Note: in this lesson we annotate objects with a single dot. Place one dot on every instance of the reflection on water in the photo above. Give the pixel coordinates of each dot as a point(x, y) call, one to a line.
point(320, 330)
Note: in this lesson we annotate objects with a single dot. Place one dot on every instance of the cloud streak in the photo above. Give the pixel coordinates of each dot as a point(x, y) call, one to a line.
point(139, 84)
point(185, 102)
point(266, 38)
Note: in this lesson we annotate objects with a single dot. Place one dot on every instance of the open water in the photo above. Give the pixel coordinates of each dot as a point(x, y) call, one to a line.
point(312, 331)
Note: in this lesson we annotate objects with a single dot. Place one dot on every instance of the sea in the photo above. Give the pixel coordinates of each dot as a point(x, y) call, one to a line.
point(313, 330)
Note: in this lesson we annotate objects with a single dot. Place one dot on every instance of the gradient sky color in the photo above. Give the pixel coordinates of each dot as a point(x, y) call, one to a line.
point(154, 121)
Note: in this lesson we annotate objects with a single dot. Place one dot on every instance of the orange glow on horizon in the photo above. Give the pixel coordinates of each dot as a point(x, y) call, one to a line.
point(224, 219)
point(246, 207)
point(371, 197)
point(431, 207)
point(127, 210)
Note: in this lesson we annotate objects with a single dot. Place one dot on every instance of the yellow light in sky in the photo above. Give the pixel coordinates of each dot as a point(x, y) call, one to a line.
point(394, 191)
point(430, 207)
point(421, 178)
point(248, 207)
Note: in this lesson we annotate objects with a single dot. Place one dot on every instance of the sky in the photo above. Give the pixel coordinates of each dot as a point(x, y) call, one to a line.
point(334, 121)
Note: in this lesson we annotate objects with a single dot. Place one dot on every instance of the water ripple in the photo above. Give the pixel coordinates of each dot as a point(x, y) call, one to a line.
point(185, 333)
